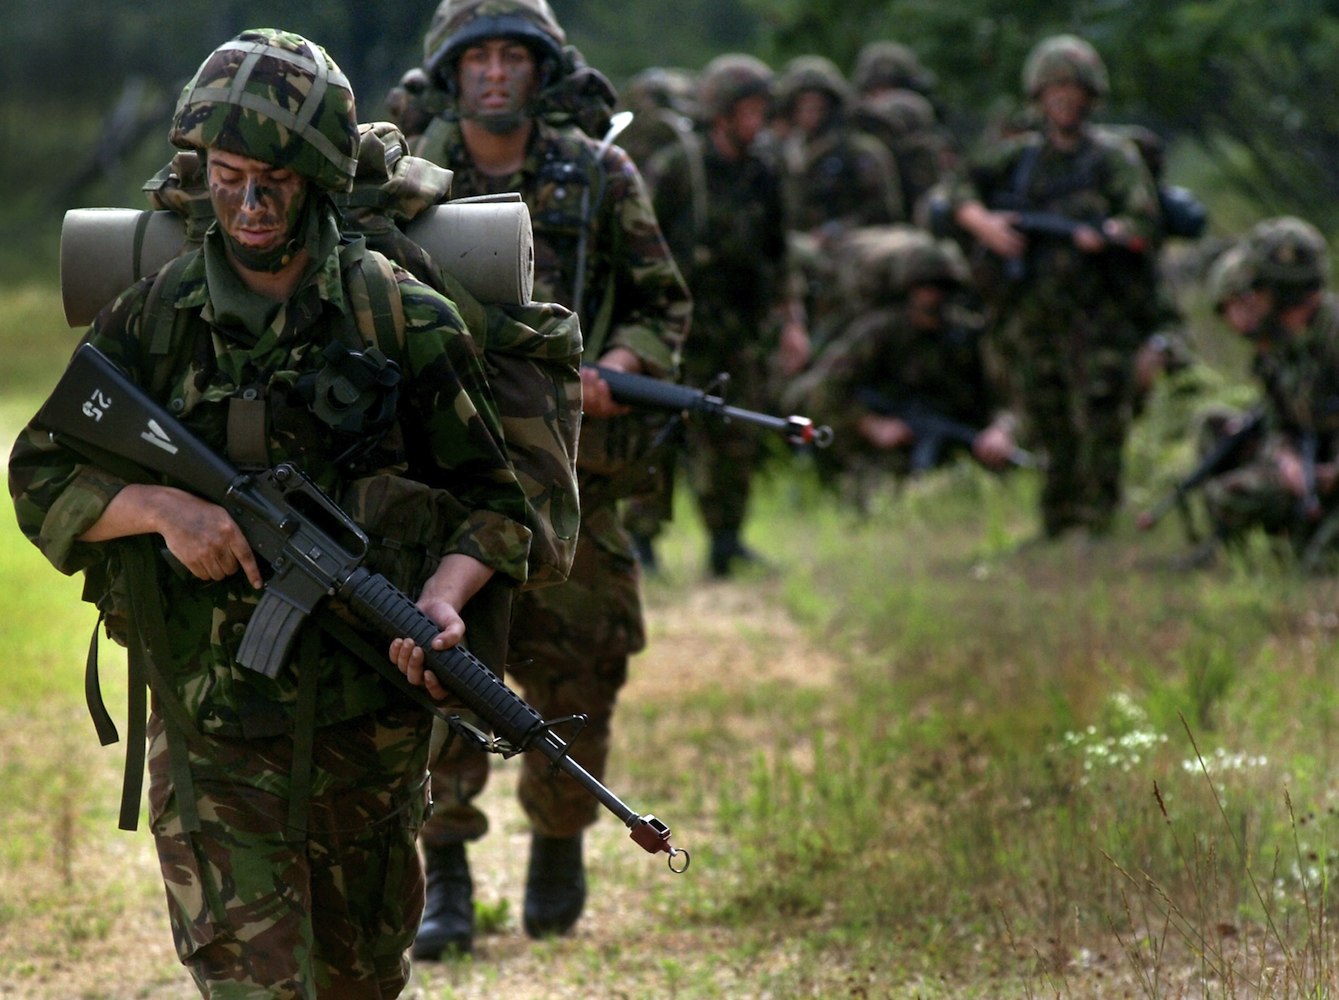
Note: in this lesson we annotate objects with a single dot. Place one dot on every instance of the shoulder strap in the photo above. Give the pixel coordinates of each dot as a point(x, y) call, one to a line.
point(374, 296)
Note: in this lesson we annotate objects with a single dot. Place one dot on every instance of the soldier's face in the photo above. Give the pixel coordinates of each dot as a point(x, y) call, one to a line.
point(496, 79)
point(747, 119)
point(257, 204)
point(1064, 105)
point(812, 110)
point(1245, 312)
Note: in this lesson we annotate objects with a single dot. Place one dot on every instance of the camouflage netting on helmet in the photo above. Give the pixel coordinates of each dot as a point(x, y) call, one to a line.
point(273, 96)
point(1288, 252)
point(729, 79)
point(1065, 59)
point(880, 264)
point(1230, 275)
point(458, 24)
point(813, 73)
point(890, 65)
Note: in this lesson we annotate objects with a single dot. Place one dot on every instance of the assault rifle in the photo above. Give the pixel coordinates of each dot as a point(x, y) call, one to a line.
point(1056, 225)
point(657, 394)
point(314, 550)
point(1226, 454)
point(934, 432)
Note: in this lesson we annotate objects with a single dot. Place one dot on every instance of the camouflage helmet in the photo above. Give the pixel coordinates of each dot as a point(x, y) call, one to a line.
point(883, 263)
point(1065, 59)
point(728, 79)
point(1287, 252)
point(273, 96)
point(1230, 275)
point(812, 73)
point(660, 87)
point(890, 65)
point(930, 261)
point(458, 24)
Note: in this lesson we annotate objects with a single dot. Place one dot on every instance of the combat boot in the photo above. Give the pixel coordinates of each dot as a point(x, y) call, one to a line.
point(555, 885)
point(728, 554)
point(447, 927)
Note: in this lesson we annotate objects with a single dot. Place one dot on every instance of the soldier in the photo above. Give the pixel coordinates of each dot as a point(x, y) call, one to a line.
point(1068, 211)
point(661, 100)
point(894, 105)
point(907, 362)
point(722, 212)
point(285, 809)
point(837, 177)
point(598, 250)
point(1287, 484)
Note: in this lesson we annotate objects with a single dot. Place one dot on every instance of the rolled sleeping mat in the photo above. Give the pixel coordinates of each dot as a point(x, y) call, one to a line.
point(487, 246)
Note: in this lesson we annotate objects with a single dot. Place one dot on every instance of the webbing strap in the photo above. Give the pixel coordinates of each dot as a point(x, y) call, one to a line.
point(304, 735)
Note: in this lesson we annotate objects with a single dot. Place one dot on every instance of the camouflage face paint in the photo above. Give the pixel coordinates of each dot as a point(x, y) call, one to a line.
point(258, 207)
point(497, 78)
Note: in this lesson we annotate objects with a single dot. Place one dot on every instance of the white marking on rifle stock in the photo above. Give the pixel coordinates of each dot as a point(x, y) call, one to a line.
point(157, 437)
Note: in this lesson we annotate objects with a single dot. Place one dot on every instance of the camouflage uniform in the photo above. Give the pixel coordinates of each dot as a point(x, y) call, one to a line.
point(1299, 373)
point(284, 810)
point(1068, 328)
point(724, 219)
point(880, 354)
point(570, 642)
point(895, 107)
point(838, 177)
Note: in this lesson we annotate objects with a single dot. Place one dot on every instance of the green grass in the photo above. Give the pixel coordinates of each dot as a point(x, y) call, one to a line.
point(1046, 772)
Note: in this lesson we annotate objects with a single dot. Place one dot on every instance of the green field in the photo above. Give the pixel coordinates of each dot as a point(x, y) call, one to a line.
point(918, 761)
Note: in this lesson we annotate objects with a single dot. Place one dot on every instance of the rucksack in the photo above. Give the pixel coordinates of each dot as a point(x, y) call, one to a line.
point(532, 351)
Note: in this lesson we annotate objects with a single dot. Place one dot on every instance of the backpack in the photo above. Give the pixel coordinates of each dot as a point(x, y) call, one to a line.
point(531, 351)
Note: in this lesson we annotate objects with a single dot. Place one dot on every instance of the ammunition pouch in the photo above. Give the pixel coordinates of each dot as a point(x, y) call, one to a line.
point(408, 523)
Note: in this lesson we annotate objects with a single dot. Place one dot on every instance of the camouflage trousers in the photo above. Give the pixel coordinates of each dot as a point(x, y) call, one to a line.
point(720, 456)
point(1073, 374)
point(568, 655)
point(260, 911)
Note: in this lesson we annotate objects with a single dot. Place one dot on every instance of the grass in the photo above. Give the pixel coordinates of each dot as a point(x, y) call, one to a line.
point(915, 762)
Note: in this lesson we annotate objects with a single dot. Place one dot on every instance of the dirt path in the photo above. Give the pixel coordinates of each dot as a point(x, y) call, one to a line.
point(110, 940)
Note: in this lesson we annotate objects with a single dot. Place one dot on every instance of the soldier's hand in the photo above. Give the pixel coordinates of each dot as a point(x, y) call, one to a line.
point(993, 230)
point(408, 656)
point(1089, 240)
point(202, 536)
point(1291, 472)
point(885, 433)
point(596, 399)
point(993, 446)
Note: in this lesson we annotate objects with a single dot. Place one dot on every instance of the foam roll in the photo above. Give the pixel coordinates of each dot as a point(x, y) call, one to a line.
point(103, 251)
point(487, 246)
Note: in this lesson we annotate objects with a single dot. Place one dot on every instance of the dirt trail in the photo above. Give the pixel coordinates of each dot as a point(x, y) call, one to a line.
point(627, 944)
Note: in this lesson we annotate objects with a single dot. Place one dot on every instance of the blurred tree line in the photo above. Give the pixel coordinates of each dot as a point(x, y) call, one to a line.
point(1248, 82)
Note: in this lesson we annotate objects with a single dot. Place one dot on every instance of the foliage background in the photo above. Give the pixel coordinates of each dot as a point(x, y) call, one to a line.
point(1243, 89)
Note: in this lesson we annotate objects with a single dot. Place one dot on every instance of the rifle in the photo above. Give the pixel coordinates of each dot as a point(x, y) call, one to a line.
point(1224, 456)
point(657, 394)
point(314, 550)
point(1056, 225)
point(933, 431)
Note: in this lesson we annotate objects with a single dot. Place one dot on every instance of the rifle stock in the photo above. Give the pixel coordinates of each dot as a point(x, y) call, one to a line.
point(314, 550)
point(657, 394)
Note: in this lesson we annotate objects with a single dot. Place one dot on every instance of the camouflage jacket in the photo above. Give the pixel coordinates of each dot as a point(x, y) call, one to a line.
point(725, 222)
point(447, 436)
point(841, 178)
point(1103, 178)
point(882, 353)
point(1300, 375)
point(632, 293)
